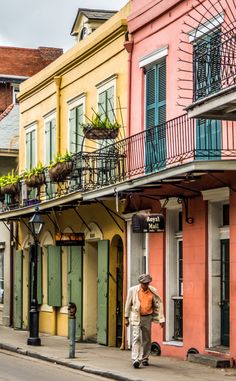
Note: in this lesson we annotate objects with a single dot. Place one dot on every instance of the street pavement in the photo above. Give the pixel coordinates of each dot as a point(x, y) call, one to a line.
point(108, 362)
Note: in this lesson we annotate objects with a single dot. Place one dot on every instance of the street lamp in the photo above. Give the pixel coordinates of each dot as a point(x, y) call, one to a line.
point(36, 224)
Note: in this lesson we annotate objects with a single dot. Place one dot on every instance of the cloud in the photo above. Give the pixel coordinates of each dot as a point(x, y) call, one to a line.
point(28, 23)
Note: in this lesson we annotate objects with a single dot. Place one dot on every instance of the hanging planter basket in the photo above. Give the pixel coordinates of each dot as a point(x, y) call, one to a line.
point(35, 181)
point(11, 189)
point(60, 171)
point(100, 133)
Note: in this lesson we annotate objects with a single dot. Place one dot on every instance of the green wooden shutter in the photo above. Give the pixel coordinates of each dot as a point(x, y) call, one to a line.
point(33, 148)
point(47, 143)
point(161, 93)
point(79, 131)
point(28, 151)
point(103, 289)
point(151, 97)
point(102, 107)
point(72, 120)
point(18, 289)
point(110, 104)
point(75, 284)
point(54, 276)
point(53, 138)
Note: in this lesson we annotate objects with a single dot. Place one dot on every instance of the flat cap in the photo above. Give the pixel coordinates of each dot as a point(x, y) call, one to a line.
point(144, 278)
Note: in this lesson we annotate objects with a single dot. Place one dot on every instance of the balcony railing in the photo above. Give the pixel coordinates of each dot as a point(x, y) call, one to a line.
point(177, 142)
point(214, 64)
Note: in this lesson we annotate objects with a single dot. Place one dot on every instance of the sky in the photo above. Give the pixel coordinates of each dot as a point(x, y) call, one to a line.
point(34, 23)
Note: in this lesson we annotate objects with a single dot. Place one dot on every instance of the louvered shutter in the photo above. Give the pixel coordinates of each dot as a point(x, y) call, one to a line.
point(72, 126)
point(28, 150)
point(110, 104)
point(151, 97)
point(47, 143)
point(54, 276)
point(102, 104)
point(161, 93)
point(53, 138)
point(79, 131)
point(33, 149)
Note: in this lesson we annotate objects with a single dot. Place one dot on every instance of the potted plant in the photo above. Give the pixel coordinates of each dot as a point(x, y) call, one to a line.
point(61, 167)
point(35, 177)
point(101, 128)
point(10, 184)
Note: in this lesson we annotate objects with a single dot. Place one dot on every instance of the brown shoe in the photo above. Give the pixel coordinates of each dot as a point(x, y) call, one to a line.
point(145, 363)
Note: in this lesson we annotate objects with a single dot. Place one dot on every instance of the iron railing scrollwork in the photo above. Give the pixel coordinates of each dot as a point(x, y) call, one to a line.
point(176, 142)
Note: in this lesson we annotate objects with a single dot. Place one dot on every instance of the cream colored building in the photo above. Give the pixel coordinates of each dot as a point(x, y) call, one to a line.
point(90, 78)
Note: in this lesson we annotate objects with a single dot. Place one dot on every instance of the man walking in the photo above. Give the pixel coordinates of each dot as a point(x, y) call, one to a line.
point(143, 306)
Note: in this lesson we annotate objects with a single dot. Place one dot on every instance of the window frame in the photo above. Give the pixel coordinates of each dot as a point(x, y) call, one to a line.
point(72, 104)
point(48, 118)
point(29, 129)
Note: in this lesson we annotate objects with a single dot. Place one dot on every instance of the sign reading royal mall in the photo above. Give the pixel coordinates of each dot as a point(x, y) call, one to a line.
point(148, 223)
point(70, 239)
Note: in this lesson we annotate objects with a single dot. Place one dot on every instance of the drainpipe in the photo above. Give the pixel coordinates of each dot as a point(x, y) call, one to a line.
point(58, 116)
point(129, 48)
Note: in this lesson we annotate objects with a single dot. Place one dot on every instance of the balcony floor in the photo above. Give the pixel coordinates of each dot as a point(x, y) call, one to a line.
point(221, 106)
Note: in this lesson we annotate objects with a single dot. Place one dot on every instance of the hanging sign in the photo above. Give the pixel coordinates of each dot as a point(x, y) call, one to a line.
point(148, 223)
point(70, 239)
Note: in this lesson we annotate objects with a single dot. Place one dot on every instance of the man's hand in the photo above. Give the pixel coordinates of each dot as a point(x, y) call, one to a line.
point(162, 325)
point(127, 322)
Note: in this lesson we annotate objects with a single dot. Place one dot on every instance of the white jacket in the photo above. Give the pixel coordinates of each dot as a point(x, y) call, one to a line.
point(132, 306)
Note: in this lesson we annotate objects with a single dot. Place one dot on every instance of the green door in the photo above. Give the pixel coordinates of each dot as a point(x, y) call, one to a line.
point(156, 117)
point(18, 288)
point(224, 303)
point(54, 276)
point(75, 285)
point(103, 287)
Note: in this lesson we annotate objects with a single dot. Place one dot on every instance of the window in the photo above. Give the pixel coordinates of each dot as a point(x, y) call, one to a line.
point(76, 118)
point(106, 103)
point(207, 64)
point(156, 95)
point(156, 116)
point(50, 140)
point(30, 148)
point(15, 92)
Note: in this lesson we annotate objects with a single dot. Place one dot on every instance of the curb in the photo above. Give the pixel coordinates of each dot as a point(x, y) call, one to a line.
point(84, 368)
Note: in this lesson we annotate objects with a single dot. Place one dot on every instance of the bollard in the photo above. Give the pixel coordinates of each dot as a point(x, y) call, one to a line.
point(72, 329)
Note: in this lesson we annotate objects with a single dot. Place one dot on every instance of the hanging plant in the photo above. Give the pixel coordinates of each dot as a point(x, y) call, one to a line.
point(10, 184)
point(61, 167)
point(35, 177)
point(101, 128)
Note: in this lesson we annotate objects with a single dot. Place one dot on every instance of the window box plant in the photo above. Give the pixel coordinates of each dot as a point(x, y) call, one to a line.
point(61, 167)
point(101, 128)
point(35, 177)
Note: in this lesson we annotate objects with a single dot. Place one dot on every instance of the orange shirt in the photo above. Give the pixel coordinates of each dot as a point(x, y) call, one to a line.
point(146, 300)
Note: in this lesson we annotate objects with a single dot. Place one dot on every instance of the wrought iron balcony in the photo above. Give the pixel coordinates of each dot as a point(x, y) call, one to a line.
point(214, 64)
point(214, 76)
point(168, 146)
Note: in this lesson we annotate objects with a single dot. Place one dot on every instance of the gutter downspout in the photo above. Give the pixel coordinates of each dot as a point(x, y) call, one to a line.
point(129, 48)
point(58, 116)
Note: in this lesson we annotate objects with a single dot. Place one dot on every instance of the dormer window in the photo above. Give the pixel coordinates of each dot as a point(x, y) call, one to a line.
point(84, 33)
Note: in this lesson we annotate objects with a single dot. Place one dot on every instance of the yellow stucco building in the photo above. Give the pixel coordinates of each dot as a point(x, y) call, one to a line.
point(87, 82)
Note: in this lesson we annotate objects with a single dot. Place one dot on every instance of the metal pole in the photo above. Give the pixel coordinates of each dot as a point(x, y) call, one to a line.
point(34, 314)
point(72, 329)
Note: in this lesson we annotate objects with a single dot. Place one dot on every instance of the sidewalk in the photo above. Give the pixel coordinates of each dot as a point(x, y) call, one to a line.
point(108, 362)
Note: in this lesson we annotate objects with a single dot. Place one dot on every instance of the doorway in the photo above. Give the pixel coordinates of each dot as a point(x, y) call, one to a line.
point(224, 300)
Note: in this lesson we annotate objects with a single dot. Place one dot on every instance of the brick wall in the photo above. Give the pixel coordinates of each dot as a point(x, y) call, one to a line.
point(22, 62)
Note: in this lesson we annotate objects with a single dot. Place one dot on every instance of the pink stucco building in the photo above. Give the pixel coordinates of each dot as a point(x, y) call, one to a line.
point(182, 100)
